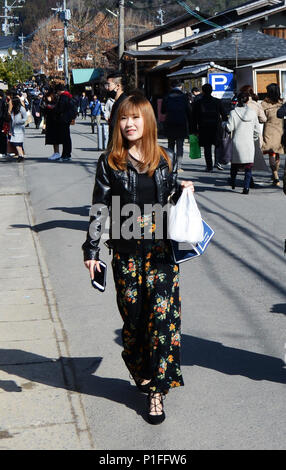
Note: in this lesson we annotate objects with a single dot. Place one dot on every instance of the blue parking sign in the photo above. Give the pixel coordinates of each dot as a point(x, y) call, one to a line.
point(222, 84)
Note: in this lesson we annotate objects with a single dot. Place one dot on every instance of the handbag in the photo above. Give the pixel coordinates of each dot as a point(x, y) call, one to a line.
point(184, 219)
point(259, 162)
point(223, 151)
point(29, 119)
point(195, 149)
point(186, 251)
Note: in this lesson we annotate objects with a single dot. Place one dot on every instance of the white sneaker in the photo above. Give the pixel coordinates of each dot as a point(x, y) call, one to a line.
point(55, 156)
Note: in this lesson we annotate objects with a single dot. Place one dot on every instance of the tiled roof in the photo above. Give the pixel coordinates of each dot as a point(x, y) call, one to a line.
point(251, 45)
point(8, 42)
point(196, 70)
point(226, 21)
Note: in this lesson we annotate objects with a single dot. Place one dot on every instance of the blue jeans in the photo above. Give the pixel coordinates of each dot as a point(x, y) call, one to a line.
point(247, 175)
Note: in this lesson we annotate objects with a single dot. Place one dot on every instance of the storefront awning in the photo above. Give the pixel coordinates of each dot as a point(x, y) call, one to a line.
point(86, 75)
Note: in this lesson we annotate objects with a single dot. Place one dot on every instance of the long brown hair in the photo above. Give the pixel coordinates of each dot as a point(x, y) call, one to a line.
point(152, 152)
point(249, 89)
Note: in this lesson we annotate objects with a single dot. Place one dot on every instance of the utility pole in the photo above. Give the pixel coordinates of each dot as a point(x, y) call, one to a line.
point(22, 38)
point(121, 31)
point(66, 52)
point(65, 16)
point(7, 15)
point(5, 26)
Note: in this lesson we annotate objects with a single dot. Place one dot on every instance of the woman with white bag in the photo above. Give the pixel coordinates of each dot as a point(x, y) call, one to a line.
point(140, 172)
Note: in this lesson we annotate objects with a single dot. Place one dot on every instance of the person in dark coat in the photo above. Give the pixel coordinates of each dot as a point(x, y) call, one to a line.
point(207, 115)
point(3, 119)
point(36, 110)
point(281, 114)
point(115, 90)
point(64, 110)
point(83, 105)
point(52, 132)
point(177, 108)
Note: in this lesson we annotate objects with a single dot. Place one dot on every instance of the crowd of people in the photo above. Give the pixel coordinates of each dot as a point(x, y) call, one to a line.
point(51, 108)
point(255, 128)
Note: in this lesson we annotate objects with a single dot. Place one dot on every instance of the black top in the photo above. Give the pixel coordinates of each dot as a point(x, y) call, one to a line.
point(146, 190)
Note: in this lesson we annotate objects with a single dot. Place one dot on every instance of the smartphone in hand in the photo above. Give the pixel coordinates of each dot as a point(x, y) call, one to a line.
point(99, 281)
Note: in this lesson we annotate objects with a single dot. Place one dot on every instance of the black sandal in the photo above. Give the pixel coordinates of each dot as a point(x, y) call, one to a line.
point(157, 401)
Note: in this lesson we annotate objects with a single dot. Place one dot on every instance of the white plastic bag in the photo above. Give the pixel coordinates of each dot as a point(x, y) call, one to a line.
point(185, 222)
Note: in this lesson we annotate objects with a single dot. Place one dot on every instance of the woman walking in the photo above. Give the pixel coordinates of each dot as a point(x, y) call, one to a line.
point(253, 103)
point(18, 118)
point(243, 124)
point(140, 172)
point(52, 132)
point(273, 130)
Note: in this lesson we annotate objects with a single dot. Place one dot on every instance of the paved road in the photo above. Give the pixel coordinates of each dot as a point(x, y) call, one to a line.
point(233, 305)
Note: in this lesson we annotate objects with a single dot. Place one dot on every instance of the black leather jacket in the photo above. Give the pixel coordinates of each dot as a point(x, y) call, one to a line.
point(109, 182)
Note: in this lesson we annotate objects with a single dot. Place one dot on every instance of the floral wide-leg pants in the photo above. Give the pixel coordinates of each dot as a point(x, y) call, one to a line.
point(147, 285)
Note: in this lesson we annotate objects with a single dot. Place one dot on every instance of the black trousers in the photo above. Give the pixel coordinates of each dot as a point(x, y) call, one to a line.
point(179, 145)
point(66, 140)
point(208, 156)
point(3, 143)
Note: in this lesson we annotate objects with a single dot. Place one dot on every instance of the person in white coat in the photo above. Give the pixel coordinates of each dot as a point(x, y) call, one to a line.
point(18, 117)
point(244, 126)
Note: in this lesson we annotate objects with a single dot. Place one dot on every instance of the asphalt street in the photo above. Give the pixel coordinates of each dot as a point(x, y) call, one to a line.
point(233, 310)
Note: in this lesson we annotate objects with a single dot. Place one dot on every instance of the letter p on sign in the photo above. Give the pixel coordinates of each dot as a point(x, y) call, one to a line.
point(218, 82)
point(222, 84)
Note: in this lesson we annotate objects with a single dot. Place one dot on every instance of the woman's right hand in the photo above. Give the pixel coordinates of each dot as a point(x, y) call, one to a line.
point(90, 265)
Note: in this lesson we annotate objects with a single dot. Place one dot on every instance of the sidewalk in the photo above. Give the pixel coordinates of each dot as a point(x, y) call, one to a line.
point(39, 409)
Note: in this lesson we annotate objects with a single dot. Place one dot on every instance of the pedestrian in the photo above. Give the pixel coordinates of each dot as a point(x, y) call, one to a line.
point(177, 109)
point(65, 113)
point(18, 118)
point(196, 94)
point(52, 129)
point(83, 105)
point(281, 114)
point(139, 172)
point(36, 109)
point(207, 116)
point(273, 130)
point(95, 112)
point(253, 103)
point(3, 121)
point(107, 108)
point(115, 86)
point(244, 126)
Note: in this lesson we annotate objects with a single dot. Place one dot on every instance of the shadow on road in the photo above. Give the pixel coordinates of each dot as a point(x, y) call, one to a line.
point(73, 374)
point(79, 373)
point(195, 352)
point(68, 224)
point(279, 308)
point(82, 210)
point(227, 360)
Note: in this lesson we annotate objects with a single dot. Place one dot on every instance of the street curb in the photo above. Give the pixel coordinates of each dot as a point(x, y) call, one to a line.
point(74, 397)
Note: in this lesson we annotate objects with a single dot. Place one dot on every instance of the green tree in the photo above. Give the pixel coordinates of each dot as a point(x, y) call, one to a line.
point(14, 68)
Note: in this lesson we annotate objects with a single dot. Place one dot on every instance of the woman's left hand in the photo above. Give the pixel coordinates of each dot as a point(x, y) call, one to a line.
point(188, 184)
